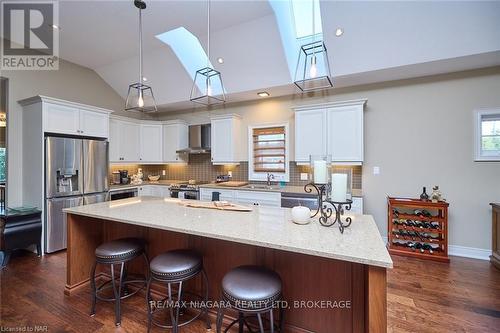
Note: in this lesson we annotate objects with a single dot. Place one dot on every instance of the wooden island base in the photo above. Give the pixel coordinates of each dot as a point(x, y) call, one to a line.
point(305, 277)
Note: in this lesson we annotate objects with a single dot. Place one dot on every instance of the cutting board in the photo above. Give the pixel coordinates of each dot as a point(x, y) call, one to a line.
point(233, 183)
point(211, 205)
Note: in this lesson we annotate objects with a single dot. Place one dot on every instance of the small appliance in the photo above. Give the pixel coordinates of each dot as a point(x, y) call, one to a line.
point(124, 177)
point(116, 178)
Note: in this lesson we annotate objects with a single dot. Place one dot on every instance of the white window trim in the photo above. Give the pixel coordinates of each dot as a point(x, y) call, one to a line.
point(260, 176)
point(478, 115)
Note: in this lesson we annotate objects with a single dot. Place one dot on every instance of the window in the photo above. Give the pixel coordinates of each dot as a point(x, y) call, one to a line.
point(487, 135)
point(268, 152)
point(303, 18)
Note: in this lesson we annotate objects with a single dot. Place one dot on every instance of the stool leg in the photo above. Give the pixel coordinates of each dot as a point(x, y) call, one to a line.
point(39, 249)
point(93, 288)
point(171, 304)
point(261, 326)
point(271, 320)
point(282, 320)
point(176, 329)
point(241, 322)
point(207, 317)
point(220, 318)
point(116, 292)
point(148, 302)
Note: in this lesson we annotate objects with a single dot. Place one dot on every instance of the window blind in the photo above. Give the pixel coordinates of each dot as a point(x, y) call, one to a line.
point(269, 149)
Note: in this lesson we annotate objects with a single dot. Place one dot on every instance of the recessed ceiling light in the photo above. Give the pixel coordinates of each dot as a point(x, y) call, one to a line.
point(220, 60)
point(263, 94)
point(144, 79)
point(339, 32)
point(55, 26)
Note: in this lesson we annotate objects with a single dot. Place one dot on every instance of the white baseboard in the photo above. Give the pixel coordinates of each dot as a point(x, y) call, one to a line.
point(464, 251)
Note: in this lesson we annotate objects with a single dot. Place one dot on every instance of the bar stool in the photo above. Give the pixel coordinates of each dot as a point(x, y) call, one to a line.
point(119, 251)
point(176, 266)
point(252, 290)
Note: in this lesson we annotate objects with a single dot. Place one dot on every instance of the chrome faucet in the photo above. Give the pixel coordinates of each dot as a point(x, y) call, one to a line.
point(270, 177)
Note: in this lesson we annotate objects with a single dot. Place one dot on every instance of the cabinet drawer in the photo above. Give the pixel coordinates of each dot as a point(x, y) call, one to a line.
point(259, 198)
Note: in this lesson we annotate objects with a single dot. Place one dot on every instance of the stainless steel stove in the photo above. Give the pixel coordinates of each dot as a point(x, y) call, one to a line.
point(186, 189)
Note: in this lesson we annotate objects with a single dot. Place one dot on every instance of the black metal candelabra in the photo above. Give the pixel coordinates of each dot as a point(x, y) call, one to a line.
point(325, 207)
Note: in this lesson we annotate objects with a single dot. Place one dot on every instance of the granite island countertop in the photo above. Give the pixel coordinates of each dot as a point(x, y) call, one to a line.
point(268, 227)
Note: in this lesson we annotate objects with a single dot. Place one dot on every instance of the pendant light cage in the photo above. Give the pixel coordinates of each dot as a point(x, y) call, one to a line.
point(208, 88)
point(140, 96)
point(313, 68)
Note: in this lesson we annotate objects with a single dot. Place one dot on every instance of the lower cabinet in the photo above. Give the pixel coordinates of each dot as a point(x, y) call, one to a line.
point(357, 205)
point(269, 199)
point(154, 190)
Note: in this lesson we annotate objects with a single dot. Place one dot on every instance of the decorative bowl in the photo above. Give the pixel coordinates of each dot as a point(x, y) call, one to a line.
point(154, 178)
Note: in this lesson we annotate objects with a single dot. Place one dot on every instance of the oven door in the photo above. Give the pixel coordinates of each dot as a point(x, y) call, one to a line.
point(123, 194)
point(183, 194)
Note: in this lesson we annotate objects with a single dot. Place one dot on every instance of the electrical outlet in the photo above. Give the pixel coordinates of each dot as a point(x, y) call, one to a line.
point(303, 176)
point(230, 174)
point(376, 170)
point(164, 172)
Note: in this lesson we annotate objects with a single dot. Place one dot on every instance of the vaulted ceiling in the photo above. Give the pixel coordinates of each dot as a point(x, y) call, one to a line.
point(381, 41)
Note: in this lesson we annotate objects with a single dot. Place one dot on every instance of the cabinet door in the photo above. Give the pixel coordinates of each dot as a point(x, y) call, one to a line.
point(114, 141)
point(175, 137)
point(61, 119)
point(151, 143)
point(225, 195)
point(345, 133)
point(357, 205)
point(222, 140)
point(269, 199)
point(130, 138)
point(94, 123)
point(310, 134)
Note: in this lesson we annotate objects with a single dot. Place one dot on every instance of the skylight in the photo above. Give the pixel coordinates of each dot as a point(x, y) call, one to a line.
point(303, 18)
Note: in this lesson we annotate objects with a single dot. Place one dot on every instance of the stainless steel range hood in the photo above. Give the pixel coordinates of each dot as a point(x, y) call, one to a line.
point(199, 140)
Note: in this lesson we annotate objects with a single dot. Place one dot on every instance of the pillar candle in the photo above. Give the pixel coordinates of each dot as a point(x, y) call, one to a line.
point(339, 187)
point(320, 172)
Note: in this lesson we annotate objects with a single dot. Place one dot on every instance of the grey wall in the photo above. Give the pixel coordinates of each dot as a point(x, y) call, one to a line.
point(420, 133)
point(71, 82)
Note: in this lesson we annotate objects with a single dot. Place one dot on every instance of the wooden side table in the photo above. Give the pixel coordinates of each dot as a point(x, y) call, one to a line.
point(495, 230)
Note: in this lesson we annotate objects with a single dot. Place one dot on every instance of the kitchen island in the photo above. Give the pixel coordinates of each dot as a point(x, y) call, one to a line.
point(333, 282)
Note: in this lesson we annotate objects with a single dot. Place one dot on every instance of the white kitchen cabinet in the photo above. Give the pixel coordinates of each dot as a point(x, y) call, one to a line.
point(357, 205)
point(94, 123)
point(268, 199)
point(175, 137)
point(334, 129)
point(75, 119)
point(124, 140)
point(61, 119)
point(345, 133)
point(310, 134)
point(225, 139)
point(145, 190)
point(159, 191)
point(151, 149)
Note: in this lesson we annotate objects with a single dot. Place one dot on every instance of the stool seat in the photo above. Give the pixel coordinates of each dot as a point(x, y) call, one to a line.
point(176, 265)
point(120, 249)
point(252, 284)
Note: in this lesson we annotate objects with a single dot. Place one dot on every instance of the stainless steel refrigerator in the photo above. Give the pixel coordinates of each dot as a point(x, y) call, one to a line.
point(76, 173)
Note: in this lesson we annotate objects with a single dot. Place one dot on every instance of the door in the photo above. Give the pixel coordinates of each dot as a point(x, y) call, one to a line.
point(61, 119)
point(310, 134)
point(222, 140)
point(114, 141)
point(63, 167)
point(94, 123)
point(345, 133)
point(95, 166)
point(55, 223)
point(130, 138)
point(151, 143)
point(95, 198)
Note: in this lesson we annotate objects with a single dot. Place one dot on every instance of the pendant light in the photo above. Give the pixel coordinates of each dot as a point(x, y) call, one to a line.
point(140, 96)
point(208, 88)
point(315, 72)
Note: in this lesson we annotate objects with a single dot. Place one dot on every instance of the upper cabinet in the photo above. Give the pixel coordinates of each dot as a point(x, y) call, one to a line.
point(63, 117)
point(334, 129)
point(151, 143)
point(124, 140)
point(225, 139)
point(175, 137)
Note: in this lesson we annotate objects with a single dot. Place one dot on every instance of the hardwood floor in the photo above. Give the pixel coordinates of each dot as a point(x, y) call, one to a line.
point(423, 296)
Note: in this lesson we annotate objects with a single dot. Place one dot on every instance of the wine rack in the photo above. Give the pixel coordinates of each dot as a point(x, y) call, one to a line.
point(418, 228)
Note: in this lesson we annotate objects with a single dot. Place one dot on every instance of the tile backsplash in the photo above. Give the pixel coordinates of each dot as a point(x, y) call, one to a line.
point(200, 168)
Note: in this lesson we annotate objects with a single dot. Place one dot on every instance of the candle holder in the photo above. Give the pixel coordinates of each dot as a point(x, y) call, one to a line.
point(325, 207)
point(320, 168)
